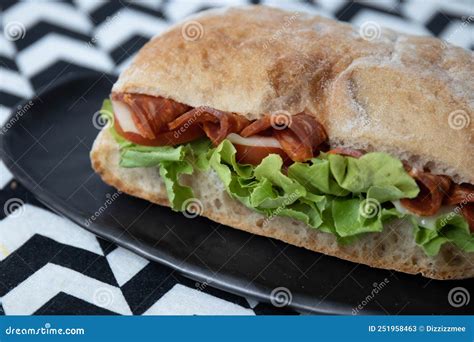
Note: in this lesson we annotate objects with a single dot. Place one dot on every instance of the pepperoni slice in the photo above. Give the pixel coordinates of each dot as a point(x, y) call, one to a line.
point(432, 191)
point(257, 126)
point(468, 213)
point(460, 193)
point(255, 154)
point(170, 138)
point(216, 124)
point(463, 196)
point(299, 140)
point(302, 137)
point(151, 114)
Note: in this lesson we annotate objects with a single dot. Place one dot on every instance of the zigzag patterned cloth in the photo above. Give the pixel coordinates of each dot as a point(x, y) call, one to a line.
point(49, 265)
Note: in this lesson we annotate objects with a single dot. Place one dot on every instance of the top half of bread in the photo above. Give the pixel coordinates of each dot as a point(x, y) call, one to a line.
point(372, 88)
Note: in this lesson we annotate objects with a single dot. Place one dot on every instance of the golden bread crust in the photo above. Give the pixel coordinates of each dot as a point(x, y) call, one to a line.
point(395, 93)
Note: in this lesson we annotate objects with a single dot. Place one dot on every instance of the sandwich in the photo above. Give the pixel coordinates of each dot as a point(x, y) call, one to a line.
point(303, 129)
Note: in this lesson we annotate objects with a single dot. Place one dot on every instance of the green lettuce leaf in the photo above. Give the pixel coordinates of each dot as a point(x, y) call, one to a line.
point(173, 162)
point(450, 227)
point(317, 177)
point(148, 156)
point(379, 175)
point(106, 113)
point(302, 195)
point(276, 190)
point(177, 194)
point(237, 179)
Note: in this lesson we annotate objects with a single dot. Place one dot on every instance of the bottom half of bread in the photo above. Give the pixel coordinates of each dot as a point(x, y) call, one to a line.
point(394, 248)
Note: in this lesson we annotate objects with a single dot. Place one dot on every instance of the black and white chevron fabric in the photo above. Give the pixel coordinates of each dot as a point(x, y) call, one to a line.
point(49, 265)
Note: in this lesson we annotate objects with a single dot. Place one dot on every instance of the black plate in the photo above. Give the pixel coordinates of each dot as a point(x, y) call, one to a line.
point(47, 150)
